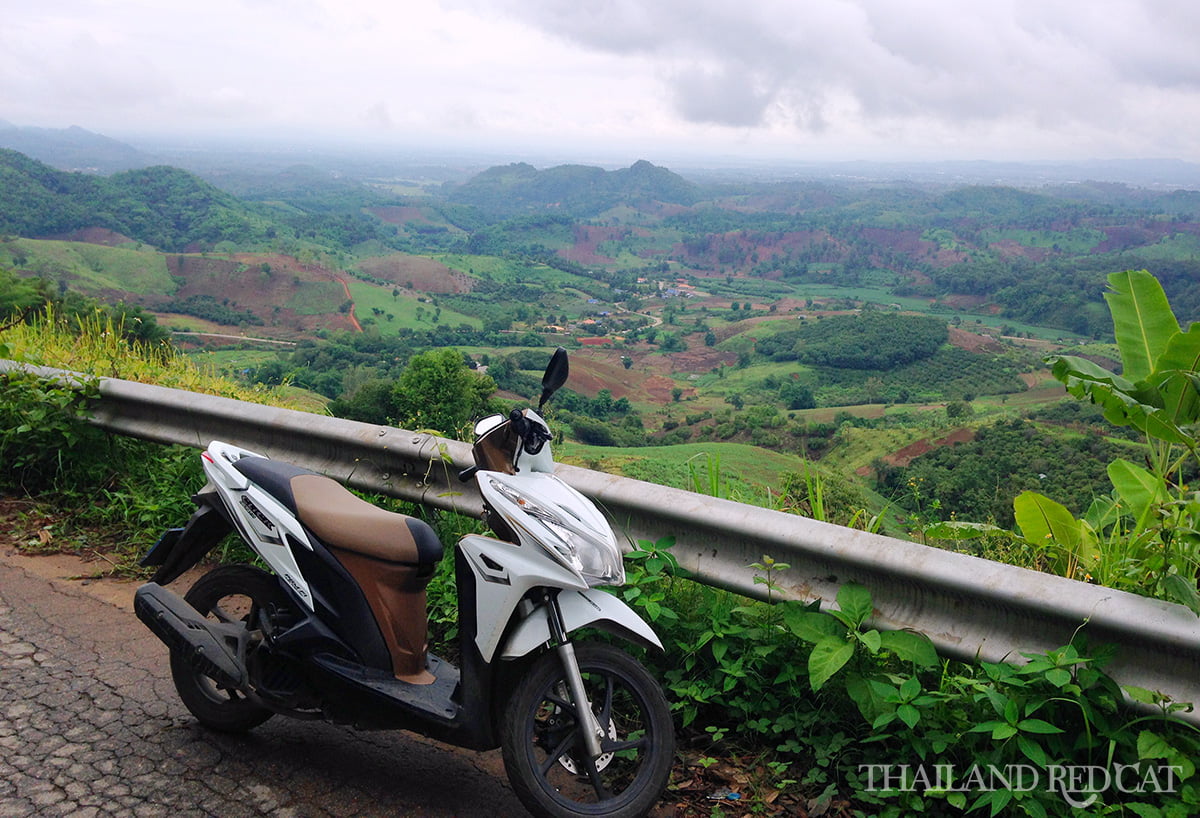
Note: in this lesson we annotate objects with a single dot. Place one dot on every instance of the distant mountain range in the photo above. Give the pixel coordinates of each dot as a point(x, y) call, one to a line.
point(73, 149)
point(247, 170)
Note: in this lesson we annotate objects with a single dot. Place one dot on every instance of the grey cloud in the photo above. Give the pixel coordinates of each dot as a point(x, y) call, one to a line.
point(740, 63)
point(727, 96)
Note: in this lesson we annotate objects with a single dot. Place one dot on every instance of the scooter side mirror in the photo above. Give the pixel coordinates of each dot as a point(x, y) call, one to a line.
point(485, 425)
point(556, 375)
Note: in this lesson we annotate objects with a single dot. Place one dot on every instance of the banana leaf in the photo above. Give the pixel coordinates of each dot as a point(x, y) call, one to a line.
point(1142, 320)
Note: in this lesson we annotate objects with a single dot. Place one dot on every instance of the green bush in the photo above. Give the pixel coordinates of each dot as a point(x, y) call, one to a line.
point(839, 707)
point(43, 431)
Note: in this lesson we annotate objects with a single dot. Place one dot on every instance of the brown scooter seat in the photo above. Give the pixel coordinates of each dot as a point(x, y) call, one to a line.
point(340, 518)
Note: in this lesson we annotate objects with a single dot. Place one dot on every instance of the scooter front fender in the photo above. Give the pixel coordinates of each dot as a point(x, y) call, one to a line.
point(580, 608)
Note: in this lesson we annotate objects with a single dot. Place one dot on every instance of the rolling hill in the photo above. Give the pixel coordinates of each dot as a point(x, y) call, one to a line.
point(574, 190)
point(165, 207)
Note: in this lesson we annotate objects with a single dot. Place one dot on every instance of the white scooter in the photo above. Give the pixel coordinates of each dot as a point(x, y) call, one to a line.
point(336, 629)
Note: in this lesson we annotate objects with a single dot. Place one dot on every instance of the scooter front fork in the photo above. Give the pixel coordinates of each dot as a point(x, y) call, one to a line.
point(588, 723)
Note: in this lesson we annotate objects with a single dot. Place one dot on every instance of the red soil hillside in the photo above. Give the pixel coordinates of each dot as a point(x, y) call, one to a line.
point(973, 342)
point(587, 239)
point(914, 450)
point(266, 291)
point(648, 379)
point(399, 215)
point(417, 272)
point(593, 370)
point(97, 235)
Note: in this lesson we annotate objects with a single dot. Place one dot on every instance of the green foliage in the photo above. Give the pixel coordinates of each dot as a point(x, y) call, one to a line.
point(732, 666)
point(42, 423)
point(796, 395)
point(162, 206)
point(371, 402)
point(978, 479)
point(825, 496)
point(1145, 535)
point(21, 296)
point(133, 487)
point(210, 309)
point(437, 391)
point(824, 692)
point(33, 299)
point(948, 374)
point(1057, 710)
point(872, 340)
point(593, 432)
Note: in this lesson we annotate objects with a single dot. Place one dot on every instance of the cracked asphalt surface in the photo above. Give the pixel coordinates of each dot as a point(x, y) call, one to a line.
point(90, 726)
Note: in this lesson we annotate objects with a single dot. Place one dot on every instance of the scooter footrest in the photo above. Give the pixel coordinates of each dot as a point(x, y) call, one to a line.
point(435, 699)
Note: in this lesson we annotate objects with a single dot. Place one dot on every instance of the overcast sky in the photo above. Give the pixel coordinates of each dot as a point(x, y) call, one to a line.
point(799, 79)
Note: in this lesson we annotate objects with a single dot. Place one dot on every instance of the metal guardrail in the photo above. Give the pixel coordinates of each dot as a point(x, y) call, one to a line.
point(969, 607)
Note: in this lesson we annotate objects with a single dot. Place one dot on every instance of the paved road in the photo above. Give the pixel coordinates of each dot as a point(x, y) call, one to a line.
point(90, 726)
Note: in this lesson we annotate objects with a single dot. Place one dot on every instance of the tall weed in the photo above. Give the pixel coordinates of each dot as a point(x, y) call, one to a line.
point(51, 450)
point(95, 345)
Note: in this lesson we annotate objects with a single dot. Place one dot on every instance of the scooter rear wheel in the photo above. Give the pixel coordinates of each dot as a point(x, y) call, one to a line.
point(229, 594)
point(543, 749)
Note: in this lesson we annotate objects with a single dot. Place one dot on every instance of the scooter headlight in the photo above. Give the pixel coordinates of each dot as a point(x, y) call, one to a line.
point(587, 552)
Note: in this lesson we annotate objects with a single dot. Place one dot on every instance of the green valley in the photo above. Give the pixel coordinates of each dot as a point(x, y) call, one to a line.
point(835, 324)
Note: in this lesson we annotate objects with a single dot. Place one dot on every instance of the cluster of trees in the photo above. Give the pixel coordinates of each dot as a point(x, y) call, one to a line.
point(978, 480)
point(210, 309)
point(440, 390)
point(949, 374)
point(437, 391)
point(872, 340)
point(342, 230)
point(793, 392)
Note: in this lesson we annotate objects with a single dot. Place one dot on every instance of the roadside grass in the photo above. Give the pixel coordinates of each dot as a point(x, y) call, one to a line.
point(94, 346)
point(118, 493)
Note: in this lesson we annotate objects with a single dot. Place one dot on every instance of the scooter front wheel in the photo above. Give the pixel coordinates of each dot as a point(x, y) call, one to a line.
point(544, 752)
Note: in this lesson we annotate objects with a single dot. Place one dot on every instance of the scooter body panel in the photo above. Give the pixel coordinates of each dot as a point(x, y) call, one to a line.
point(265, 524)
point(504, 573)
